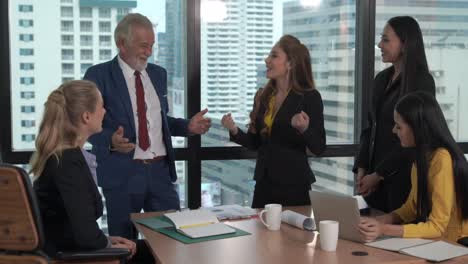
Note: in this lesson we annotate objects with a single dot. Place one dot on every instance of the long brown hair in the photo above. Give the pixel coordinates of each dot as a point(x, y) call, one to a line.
point(299, 75)
point(62, 113)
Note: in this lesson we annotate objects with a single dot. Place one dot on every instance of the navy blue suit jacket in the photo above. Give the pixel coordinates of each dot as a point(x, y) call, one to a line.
point(116, 168)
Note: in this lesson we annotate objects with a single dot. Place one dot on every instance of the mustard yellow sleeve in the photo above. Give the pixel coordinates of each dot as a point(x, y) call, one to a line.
point(407, 212)
point(442, 192)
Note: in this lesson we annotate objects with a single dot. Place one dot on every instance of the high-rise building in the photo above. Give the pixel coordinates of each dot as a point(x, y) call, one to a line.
point(46, 52)
point(444, 27)
point(172, 56)
point(328, 29)
point(232, 51)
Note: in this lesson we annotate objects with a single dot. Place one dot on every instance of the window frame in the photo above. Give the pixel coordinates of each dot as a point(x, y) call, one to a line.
point(194, 154)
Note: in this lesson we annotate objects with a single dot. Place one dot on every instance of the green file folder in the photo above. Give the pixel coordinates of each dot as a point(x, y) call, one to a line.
point(163, 225)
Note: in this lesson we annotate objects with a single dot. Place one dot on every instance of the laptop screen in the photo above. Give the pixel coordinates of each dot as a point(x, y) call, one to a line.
point(337, 207)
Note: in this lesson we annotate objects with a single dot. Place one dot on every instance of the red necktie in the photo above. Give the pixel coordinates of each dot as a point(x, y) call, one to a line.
point(143, 138)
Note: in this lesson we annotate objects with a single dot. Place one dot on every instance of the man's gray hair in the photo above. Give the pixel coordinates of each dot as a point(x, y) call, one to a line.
point(123, 31)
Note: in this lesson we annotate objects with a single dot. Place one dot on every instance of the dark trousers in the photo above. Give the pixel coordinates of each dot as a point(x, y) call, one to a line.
point(150, 190)
point(267, 192)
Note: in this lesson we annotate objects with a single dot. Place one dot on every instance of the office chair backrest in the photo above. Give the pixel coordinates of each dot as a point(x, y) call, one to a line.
point(21, 233)
point(20, 221)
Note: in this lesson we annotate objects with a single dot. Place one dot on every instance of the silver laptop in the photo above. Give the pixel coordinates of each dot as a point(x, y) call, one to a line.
point(338, 207)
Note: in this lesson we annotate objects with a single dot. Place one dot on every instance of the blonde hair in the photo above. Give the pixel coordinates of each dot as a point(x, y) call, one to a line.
point(62, 113)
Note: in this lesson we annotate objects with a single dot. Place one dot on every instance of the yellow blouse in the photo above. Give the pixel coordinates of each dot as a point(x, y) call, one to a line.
point(269, 115)
point(444, 220)
point(271, 112)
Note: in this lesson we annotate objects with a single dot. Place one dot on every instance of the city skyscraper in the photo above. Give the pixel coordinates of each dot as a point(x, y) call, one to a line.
point(328, 29)
point(58, 40)
point(46, 52)
point(232, 51)
point(446, 43)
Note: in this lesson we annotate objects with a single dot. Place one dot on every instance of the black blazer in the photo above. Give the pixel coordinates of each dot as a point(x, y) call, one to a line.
point(282, 156)
point(70, 204)
point(380, 150)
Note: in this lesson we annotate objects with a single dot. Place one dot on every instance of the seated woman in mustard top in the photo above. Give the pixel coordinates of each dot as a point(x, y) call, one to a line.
point(437, 205)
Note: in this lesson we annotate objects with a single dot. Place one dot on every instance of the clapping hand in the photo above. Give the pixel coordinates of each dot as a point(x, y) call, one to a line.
point(229, 123)
point(199, 124)
point(300, 121)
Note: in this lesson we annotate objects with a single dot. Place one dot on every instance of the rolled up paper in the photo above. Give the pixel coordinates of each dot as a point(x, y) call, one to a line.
point(298, 220)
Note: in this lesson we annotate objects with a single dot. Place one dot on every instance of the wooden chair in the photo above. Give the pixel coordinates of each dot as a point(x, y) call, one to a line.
point(21, 231)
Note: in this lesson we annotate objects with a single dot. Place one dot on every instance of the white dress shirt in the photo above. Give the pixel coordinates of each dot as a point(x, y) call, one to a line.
point(153, 113)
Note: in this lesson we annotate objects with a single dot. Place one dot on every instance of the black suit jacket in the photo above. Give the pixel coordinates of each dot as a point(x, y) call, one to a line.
point(282, 156)
point(380, 150)
point(70, 204)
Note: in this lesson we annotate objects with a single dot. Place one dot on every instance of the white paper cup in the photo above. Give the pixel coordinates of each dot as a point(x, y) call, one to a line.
point(328, 234)
point(273, 216)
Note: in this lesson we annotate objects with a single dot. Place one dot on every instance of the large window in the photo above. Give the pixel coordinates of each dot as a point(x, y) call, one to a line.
point(445, 34)
point(231, 181)
point(169, 26)
point(60, 58)
point(227, 182)
point(216, 60)
point(236, 37)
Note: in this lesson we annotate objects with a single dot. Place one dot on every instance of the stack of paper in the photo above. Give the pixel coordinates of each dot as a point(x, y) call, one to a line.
point(198, 223)
point(422, 248)
point(232, 211)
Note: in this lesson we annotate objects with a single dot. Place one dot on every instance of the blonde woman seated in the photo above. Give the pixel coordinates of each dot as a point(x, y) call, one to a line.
point(437, 205)
point(65, 173)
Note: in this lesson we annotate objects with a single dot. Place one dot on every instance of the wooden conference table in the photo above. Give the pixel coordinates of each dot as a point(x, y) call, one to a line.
point(290, 245)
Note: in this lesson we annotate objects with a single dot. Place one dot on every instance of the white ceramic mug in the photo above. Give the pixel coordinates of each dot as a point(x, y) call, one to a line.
point(328, 234)
point(273, 216)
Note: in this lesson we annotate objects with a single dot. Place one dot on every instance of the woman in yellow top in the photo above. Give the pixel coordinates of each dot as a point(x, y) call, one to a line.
point(287, 119)
point(437, 205)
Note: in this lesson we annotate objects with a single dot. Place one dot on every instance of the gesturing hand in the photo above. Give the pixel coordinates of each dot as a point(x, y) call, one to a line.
point(229, 123)
point(300, 121)
point(199, 124)
point(358, 180)
point(368, 183)
point(119, 143)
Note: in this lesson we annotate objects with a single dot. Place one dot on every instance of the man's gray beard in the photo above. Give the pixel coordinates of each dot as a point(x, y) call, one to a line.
point(142, 68)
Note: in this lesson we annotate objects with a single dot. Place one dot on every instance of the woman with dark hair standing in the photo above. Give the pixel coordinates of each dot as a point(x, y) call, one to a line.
point(437, 205)
point(382, 166)
point(287, 119)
